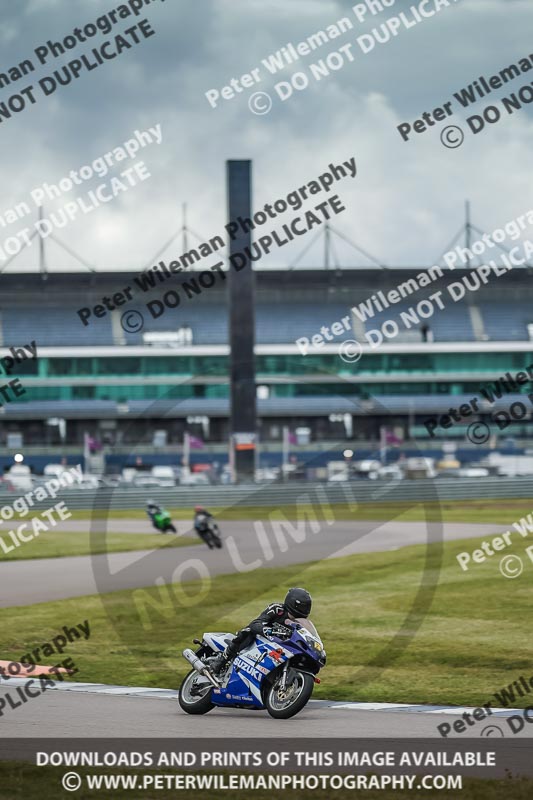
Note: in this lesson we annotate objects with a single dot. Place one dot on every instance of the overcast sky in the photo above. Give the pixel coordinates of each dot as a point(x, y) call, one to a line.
point(407, 201)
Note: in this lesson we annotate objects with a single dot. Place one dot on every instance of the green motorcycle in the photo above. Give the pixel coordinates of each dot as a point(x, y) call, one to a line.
point(161, 520)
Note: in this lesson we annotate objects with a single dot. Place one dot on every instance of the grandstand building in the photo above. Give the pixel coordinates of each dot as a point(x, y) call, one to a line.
point(171, 376)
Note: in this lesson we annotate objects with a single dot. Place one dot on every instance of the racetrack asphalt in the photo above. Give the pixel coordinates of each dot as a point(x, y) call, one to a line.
point(41, 580)
point(80, 714)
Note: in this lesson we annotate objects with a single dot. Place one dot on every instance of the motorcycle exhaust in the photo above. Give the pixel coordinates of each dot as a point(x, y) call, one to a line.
point(199, 666)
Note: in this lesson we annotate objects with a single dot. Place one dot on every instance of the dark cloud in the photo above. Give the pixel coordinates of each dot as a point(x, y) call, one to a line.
point(407, 200)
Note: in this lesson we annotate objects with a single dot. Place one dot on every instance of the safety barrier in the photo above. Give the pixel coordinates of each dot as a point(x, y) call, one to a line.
point(275, 494)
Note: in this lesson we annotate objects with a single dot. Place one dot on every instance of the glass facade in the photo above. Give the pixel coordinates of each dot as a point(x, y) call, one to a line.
point(97, 378)
point(372, 364)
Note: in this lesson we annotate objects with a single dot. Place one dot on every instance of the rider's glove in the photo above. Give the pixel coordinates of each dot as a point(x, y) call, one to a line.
point(281, 631)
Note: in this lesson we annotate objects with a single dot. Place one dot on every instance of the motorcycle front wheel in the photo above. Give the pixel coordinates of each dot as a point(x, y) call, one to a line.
point(285, 703)
point(215, 536)
point(194, 698)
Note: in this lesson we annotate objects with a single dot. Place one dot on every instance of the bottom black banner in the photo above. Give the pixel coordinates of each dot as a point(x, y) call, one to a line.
point(236, 768)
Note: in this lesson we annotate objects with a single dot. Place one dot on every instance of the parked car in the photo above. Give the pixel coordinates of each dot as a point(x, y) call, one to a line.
point(267, 474)
point(165, 476)
point(87, 482)
point(145, 482)
point(464, 472)
point(339, 477)
point(195, 479)
point(109, 482)
point(393, 473)
point(54, 470)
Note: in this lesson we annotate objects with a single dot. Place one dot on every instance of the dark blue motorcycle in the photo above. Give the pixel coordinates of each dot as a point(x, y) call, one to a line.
point(276, 673)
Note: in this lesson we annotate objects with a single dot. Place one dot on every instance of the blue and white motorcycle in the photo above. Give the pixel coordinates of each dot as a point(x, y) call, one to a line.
point(276, 672)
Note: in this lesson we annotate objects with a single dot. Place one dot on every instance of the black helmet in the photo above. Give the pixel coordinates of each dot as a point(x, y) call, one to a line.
point(298, 602)
point(151, 504)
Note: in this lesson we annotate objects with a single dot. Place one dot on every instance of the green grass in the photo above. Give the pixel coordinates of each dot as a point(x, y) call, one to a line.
point(27, 782)
point(55, 544)
point(473, 637)
point(502, 511)
point(58, 544)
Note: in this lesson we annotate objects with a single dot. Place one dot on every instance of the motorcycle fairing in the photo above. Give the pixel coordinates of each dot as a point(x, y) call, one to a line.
point(162, 518)
point(217, 641)
point(248, 672)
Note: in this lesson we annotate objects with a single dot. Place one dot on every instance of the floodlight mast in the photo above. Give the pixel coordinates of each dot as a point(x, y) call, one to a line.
point(43, 269)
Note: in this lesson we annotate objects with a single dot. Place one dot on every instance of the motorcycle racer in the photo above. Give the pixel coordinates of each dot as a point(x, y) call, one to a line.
point(152, 509)
point(297, 604)
point(202, 521)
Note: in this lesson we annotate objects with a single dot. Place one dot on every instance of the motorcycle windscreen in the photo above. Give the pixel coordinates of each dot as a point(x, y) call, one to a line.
point(308, 625)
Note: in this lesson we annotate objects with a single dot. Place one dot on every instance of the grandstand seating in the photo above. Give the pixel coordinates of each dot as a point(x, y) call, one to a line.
point(507, 321)
point(280, 324)
point(58, 326)
point(450, 325)
point(55, 326)
point(288, 306)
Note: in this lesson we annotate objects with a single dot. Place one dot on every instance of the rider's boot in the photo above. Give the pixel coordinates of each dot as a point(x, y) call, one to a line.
point(220, 663)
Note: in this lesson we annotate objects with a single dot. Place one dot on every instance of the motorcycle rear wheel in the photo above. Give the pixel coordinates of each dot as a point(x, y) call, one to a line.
point(283, 704)
point(189, 701)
